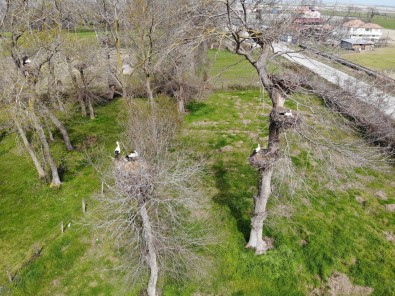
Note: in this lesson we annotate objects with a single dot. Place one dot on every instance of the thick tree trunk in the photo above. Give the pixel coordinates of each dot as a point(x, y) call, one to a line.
point(54, 170)
point(152, 256)
point(30, 150)
point(60, 126)
point(259, 216)
point(265, 173)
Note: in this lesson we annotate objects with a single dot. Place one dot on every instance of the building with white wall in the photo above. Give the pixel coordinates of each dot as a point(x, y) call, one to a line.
point(356, 29)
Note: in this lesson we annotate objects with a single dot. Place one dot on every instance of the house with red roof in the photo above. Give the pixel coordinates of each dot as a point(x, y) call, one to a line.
point(357, 29)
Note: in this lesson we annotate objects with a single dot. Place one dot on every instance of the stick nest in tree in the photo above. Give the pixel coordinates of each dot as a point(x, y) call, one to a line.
point(133, 178)
point(284, 119)
point(263, 159)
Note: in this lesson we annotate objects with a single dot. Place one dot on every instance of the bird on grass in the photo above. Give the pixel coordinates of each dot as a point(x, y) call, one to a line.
point(117, 151)
point(132, 156)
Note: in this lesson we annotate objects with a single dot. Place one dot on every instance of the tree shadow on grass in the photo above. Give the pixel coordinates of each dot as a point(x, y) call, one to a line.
point(2, 135)
point(236, 199)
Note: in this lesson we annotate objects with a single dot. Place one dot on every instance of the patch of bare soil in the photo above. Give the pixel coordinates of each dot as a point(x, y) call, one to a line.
point(340, 284)
point(381, 195)
point(390, 236)
point(390, 208)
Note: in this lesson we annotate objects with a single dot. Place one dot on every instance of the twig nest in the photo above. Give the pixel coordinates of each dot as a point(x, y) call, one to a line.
point(263, 159)
point(133, 178)
point(284, 118)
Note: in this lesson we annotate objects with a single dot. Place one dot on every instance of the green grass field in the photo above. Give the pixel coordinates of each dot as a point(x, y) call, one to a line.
point(387, 22)
point(230, 70)
point(339, 234)
point(380, 59)
point(342, 235)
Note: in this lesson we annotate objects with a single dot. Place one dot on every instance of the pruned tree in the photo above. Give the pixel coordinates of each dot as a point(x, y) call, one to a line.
point(147, 202)
point(255, 39)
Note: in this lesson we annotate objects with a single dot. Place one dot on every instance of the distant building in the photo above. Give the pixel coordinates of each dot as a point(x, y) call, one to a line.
point(357, 44)
point(356, 29)
point(306, 12)
point(308, 21)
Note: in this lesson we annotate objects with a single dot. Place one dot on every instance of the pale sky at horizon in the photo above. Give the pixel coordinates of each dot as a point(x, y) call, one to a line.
point(364, 2)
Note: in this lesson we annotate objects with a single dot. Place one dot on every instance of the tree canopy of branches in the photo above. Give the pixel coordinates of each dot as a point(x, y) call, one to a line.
point(147, 203)
point(34, 37)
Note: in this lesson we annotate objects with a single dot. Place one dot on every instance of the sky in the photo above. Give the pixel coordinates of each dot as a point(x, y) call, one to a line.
point(365, 2)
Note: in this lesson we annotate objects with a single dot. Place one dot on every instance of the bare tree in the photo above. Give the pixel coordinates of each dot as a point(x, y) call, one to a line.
point(38, 24)
point(254, 38)
point(84, 64)
point(147, 201)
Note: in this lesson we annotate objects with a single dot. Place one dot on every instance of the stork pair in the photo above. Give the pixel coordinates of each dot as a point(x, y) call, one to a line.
point(130, 157)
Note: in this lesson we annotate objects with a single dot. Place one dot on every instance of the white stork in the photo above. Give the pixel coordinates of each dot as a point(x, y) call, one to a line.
point(132, 156)
point(117, 151)
point(257, 149)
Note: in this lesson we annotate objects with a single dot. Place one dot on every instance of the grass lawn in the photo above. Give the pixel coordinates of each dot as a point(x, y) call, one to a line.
point(380, 59)
point(230, 70)
point(31, 213)
point(340, 234)
point(316, 232)
point(385, 22)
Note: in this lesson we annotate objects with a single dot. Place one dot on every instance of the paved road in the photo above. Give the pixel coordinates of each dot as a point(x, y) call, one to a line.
point(361, 89)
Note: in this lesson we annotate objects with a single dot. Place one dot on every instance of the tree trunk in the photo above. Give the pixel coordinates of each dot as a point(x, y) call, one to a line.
point(259, 216)
point(29, 149)
point(80, 97)
point(152, 257)
point(87, 96)
point(149, 90)
point(265, 174)
point(48, 127)
point(90, 106)
point(181, 100)
point(53, 91)
point(60, 126)
point(54, 170)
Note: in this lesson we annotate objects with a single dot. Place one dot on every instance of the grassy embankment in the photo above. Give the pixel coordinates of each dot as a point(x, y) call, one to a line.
point(387, 22)
point(340, 234)
point(380, 59)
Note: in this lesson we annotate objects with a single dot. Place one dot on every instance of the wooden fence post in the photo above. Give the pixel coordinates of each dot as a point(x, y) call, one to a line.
point(83, 206)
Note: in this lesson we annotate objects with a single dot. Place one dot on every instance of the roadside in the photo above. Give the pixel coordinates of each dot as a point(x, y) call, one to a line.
point(362, 90)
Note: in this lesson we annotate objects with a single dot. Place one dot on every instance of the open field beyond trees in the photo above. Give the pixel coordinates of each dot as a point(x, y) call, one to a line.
point(380, 59)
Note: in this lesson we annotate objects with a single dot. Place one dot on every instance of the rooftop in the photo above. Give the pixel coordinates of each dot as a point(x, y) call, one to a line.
point(358, 41)
point(361, 24)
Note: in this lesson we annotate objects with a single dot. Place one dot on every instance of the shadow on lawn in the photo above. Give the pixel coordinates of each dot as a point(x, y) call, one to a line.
point(231, 197)
point(2, 135)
